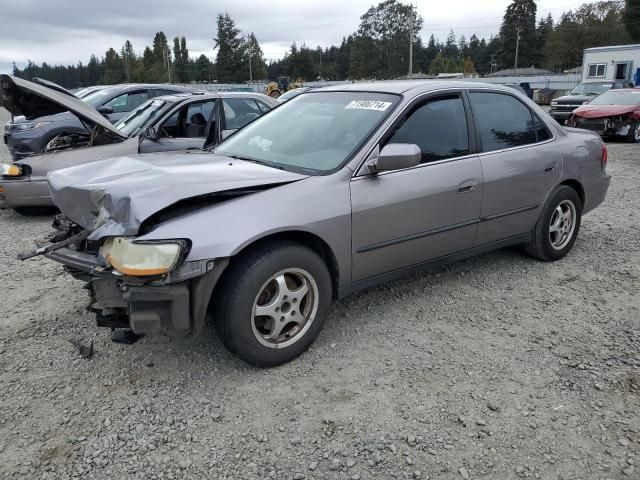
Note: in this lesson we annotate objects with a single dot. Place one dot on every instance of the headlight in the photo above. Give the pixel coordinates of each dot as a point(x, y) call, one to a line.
point(554, 103)
point(22, 126)
point(7, 170)
point(141, 259)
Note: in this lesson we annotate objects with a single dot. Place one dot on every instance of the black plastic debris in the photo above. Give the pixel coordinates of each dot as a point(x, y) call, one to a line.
point(125, 336)
point(84, 350)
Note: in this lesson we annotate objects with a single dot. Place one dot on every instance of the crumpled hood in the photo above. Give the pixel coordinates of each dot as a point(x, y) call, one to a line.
point(114, 196)
point(599, 111)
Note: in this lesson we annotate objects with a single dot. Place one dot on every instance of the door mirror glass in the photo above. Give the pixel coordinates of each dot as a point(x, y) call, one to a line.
point(105, 110)
point(396, 156)
point(151, 133)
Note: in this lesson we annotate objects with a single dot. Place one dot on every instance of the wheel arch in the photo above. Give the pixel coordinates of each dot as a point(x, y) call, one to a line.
point(577, 186)
point(308, 239)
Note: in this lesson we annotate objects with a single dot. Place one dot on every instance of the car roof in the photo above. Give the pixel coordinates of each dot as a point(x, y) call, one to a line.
point(414, 87)
point(200, 94)
point(124, 87)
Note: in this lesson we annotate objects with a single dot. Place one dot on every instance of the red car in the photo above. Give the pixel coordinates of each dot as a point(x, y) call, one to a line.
point(614, 113)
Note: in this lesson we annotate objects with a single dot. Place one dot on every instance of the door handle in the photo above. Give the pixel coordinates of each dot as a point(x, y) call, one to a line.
point(467, 186)
point(550, 167)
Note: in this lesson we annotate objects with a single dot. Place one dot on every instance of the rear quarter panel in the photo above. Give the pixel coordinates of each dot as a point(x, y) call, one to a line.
point(582, 162)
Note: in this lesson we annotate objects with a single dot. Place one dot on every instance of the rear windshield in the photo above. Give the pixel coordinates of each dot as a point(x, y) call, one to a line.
point(617, 97)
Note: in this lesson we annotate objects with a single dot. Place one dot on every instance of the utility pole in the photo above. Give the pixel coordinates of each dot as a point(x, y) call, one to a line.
point(250, 72)
point(411, 44)
point(320, 69)
point(167, 62)
point(492, 63)
point(517, 47)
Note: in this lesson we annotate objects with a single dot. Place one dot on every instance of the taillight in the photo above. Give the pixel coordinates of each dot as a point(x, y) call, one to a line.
point(605, 155)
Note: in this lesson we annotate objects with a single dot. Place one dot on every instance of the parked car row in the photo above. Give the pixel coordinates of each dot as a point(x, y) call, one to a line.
point(178, 121)
point(337, 189)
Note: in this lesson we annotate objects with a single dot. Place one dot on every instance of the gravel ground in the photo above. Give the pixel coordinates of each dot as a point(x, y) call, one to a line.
point(498, 367)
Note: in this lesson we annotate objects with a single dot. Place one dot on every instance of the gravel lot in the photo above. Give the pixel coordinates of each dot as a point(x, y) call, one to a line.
point(498, 367)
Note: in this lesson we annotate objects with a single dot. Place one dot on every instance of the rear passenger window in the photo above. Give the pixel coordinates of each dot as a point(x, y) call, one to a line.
point(503, 121)
point(542, 133)
point(438, 127)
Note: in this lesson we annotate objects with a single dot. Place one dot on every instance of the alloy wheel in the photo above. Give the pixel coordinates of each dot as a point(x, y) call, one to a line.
point(284, 308)
point(562, 224)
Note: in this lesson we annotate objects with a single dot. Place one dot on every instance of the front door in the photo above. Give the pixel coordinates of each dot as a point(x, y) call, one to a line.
point(519, 163)
point(406, 217)
point(185, 129)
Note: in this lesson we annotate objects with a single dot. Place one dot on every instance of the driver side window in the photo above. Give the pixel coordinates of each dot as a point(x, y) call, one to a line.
point(189, 121)
point(438, 127)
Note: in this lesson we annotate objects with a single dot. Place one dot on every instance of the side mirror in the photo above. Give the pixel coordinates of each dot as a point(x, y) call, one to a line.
point(104, 110)
point(396, 156)
point(150, 133)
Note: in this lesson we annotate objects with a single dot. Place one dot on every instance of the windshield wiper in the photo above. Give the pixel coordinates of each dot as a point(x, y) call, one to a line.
point(254, 160)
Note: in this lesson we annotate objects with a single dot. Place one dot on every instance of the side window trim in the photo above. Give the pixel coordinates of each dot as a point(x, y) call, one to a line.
point(418, 103)
point(533, 114)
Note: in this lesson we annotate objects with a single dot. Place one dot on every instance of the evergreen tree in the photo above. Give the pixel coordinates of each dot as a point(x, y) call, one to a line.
point(230, 52)
point(113, 68)
point(632, 19)
point(519, 20)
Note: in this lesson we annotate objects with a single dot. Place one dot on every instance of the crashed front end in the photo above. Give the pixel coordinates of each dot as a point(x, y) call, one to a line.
point(144, 286)
point(609, 126)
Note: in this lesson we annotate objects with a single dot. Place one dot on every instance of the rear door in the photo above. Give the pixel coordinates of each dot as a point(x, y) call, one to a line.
point(520, 163)
point(406, 217)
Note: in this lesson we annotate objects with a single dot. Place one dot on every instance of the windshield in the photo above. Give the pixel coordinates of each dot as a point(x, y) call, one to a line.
point(292, 93)
point(617, 97)
point(141, 117)
point(591, 88)
point(312, 133)
point(97, 98)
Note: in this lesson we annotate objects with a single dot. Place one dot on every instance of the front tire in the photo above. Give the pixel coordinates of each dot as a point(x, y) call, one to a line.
point(273, 303)
point(557, 227)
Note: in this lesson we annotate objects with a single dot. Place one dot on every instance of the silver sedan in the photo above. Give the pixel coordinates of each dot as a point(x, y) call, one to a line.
point(334, 191)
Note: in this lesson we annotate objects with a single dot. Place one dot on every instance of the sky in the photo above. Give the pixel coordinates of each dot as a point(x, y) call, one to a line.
point(69, 31)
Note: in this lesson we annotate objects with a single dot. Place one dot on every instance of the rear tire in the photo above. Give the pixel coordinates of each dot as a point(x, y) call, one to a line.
point(557, 227)
point(634, 133)
point(262, 313)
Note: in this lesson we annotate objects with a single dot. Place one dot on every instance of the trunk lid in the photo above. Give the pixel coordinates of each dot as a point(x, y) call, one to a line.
point(21, 97)
point(115, 196)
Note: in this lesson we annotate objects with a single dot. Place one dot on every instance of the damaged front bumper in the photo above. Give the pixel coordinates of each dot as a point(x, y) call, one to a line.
point(177, 300)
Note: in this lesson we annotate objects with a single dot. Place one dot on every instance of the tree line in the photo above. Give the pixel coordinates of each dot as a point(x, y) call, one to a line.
point(379, 49)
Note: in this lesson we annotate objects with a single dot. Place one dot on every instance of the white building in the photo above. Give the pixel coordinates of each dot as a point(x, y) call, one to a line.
point(620, 62)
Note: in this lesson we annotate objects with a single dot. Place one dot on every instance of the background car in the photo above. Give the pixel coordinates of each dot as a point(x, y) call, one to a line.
point(184, 121)
point(562, 107)
point(372, 181)
point(33, 134)
point(615, 113)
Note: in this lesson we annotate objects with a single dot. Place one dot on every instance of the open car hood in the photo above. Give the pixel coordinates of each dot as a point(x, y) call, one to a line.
point(22, 97)
point(599, 111)
point(115, 196)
